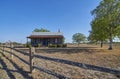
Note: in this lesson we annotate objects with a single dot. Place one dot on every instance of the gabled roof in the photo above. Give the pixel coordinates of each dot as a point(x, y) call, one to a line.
point(46, 35)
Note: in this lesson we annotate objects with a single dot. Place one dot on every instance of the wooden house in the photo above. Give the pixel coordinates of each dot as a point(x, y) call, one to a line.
point(46, 38)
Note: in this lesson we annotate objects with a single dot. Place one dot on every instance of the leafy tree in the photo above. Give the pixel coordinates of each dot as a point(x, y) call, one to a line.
point(41, 30)
point(91, 38)
point(95, 38)
point(106, 22)
point(98, 33)
point(16, 43)
point(78, 38)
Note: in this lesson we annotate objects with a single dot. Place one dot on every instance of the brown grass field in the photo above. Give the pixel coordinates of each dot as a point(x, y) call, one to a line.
point(83, 62)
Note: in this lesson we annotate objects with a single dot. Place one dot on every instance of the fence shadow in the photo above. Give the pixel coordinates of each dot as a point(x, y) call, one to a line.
point(67, 50)
point(77, 64)
point(51, 72)
point(61, 50)
point(22, 52)
point(81, 65)
point(17, 57)
point(11, 76)
point(21, 71)
point(24, 73)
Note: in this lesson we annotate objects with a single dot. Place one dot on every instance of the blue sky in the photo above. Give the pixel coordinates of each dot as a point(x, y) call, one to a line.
point(18, 18)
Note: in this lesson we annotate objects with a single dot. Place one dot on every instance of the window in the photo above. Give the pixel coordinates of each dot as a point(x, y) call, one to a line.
point(56, 40)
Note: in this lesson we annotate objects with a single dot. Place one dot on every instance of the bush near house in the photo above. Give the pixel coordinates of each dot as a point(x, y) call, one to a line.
point(52, 45)
point(57, 45)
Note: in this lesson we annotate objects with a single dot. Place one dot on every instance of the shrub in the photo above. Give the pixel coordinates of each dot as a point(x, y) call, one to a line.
point(52, 45)
point(64, 45)
point(57, 45)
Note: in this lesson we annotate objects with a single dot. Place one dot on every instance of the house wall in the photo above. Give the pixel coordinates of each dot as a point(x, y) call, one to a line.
point(45, 41)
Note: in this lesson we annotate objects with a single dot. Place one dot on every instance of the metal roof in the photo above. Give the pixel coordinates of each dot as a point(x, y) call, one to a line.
point(45, 36)
point(47, 33)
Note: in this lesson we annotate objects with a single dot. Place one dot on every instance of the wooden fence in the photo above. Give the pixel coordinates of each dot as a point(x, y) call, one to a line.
point(31, 60)
point(31, 56)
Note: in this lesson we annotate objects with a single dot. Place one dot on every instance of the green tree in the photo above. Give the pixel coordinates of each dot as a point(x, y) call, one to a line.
point(98, 33)
point(41, 30)
point(95, 38)
point(91, 38)
point(78, 38)
point(106, 22)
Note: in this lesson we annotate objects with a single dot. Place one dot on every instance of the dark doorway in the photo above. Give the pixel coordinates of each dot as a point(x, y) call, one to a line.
point(45, 41)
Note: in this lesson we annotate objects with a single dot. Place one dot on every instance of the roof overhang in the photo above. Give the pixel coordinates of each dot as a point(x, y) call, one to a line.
point(45, 36)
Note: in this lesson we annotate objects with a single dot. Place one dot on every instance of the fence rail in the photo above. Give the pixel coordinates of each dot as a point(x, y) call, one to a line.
point(32, 55)
point(31, 61)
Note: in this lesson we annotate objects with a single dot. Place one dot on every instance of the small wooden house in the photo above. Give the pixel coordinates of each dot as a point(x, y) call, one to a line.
point(46, 38)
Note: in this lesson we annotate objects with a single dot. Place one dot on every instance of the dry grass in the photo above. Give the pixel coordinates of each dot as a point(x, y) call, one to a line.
point(85, 54)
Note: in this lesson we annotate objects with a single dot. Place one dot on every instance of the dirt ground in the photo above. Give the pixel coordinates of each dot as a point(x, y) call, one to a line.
point(83, 62)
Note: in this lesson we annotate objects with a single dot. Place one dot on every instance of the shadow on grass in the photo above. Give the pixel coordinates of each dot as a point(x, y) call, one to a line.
point(51, 73)
point(21, 71)
point(6, 69)
point(87, 50)
point(17, 57)
point(81, 65)
point(69, 50)
point(24, 73)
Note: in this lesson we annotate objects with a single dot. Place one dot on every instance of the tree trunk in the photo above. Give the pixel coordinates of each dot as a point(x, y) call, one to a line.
point(110, 39)
point(101, 44)
point(110, 45)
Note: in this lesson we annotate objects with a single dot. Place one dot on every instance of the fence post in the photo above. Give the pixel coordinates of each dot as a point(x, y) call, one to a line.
point(11, 46)
point(32, 51)
point(3, 49)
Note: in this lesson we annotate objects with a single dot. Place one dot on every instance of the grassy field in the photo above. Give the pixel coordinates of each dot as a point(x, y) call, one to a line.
point(83, 62)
